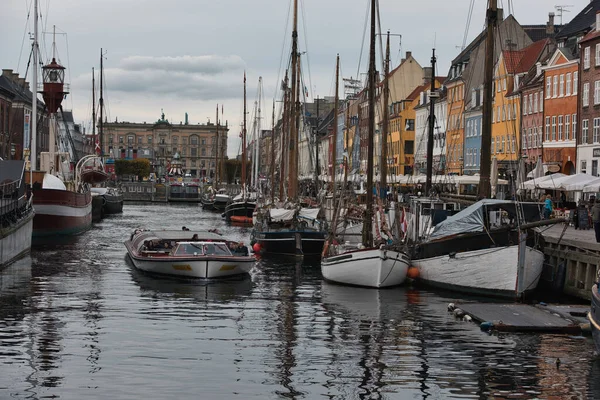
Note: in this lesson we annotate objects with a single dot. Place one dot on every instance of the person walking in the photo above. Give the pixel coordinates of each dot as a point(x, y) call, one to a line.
point(548, 207)
point(596, 219)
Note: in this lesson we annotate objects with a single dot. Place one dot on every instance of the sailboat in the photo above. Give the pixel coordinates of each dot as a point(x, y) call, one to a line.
point(369, 265)
point(63, 204)
point(489, 248)
point(241, 209)
point(289, 228)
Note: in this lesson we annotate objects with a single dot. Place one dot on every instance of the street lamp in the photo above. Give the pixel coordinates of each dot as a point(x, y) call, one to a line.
point(13, 151)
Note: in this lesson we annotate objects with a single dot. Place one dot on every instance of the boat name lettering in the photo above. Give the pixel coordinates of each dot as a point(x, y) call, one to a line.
point(182, 267)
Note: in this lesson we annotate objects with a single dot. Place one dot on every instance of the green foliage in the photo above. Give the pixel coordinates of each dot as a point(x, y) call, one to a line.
point(139, 167)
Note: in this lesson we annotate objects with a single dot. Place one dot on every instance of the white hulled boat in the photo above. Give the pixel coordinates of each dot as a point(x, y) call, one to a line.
point(188, 254)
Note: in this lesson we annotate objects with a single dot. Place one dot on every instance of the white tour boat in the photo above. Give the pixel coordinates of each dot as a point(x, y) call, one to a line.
point(188, 254)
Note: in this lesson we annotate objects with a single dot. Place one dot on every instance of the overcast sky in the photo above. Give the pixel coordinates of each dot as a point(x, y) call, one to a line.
point(189, 55)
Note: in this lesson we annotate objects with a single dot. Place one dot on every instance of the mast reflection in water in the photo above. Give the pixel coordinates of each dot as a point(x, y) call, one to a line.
point(77, 320)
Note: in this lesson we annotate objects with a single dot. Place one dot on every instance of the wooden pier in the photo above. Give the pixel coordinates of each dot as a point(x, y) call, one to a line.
point(528, 318)
point(572, 261)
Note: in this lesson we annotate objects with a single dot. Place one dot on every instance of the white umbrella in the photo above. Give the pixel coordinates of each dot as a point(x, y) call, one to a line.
point(554, 182)
point(576, 182)
point(592, 186)
point(536, 182)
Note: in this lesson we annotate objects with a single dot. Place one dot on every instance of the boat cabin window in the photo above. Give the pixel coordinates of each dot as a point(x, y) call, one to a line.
point(188, 249)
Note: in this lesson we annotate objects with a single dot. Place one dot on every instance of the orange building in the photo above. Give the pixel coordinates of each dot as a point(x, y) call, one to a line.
point(560, 112)
point(455, 126)
point(511, 67)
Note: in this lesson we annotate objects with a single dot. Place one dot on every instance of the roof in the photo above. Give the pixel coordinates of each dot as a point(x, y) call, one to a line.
point(539, 32)
point(519, 61)
point(582, 22)
point(415, 93)
point(591, 35)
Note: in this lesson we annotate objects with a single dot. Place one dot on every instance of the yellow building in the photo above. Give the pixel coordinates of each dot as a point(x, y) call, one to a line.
point(455, 126)
point(401, 141)
point(511, 67)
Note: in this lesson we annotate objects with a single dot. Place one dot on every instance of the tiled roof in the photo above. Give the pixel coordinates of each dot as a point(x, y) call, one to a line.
point(582, 22)
point(415, 93)
point(591, 35)
point(519, 61)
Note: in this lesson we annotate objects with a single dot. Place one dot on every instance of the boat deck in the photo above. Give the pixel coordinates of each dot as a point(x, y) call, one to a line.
point(528, 318)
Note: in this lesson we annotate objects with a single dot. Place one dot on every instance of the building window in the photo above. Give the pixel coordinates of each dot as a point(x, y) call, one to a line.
point(586, 58)
point(548, 87)
point(595, 167)
point(174, 150)
point(597, 54)
point(547, 129)
point(410, 124)
point(567, 126)
point(149, 138)
point(110, 138)
point(596, 133)
point(175, 140)
point(586, 94)
point(535, 102)
point(574, 122)
point(203, 141)
point(560, 127)
point(597, 92)
point(554, 127)
point(194, 152)
point(583, 166)
point(568, 85)
point(561, 90)
point(584, 131)
point(203, 152)
point(541, 102)
point(121, 140)
point(575, 83)
point(555, 88)
point(194, 140)
point(530, 103)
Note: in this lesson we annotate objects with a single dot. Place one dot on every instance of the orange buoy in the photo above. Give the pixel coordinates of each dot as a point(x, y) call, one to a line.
point(413, 273)
point(256, 247)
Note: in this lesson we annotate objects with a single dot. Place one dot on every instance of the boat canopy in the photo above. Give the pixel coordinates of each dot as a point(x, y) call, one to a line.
point(284, 214)
point(472, 218)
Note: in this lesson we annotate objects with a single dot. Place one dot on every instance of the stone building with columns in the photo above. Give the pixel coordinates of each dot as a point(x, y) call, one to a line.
point(159, 141)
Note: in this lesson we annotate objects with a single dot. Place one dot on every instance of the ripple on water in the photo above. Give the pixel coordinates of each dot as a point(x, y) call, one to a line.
point(77, 320)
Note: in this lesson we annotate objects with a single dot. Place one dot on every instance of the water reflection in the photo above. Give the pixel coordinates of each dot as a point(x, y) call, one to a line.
point(77, 320)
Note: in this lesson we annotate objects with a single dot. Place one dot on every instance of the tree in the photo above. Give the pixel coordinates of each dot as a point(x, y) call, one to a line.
point(139, 167)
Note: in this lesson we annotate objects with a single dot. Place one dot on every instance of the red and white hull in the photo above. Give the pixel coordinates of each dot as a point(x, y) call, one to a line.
point(61, 212)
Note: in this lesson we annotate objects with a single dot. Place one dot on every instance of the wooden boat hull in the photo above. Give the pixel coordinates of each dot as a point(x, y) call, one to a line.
point(594, 316)
point(97, 207)
point(375, 268)
point(238, 209)
point(61, 212)
point(240, 220)
point(15, 239)
point(289, 242)
point(113, 204)
point(488, 271)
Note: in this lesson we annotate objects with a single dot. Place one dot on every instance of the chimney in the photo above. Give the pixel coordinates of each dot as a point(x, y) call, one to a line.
point(538, 68)
point(597, 20)
point(409, 53)
point(550, 24)
point(7, 73)
point(426, 75)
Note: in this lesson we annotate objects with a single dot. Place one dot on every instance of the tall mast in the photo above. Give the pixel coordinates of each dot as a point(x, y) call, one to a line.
point(368, 223)
point(273, 155)
point(486, 128)
point(217, 151)
point(244, 143)
point(257, 134)
point(293, 143)
point(94, 109)
point(284, 128)
point(384, 128)
point(101, 103)
point(335, 124)
point(431, 127)
point(33, 152)
point(317, 149)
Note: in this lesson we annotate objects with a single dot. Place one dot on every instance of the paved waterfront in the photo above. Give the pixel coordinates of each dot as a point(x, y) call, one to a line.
point(77, 322)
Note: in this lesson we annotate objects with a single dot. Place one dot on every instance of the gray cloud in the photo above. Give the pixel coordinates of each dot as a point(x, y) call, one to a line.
point(206, 64)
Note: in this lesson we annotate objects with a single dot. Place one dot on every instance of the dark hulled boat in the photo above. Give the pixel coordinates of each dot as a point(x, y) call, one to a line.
point(594, 316)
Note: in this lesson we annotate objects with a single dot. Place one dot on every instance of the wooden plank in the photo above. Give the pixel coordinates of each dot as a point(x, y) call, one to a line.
point(575, 313)
point(519, 318)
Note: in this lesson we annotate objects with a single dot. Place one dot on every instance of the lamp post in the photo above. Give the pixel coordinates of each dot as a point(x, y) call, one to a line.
point(13, 151)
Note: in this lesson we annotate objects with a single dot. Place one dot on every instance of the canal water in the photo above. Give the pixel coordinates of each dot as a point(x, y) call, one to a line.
point(78, 322)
